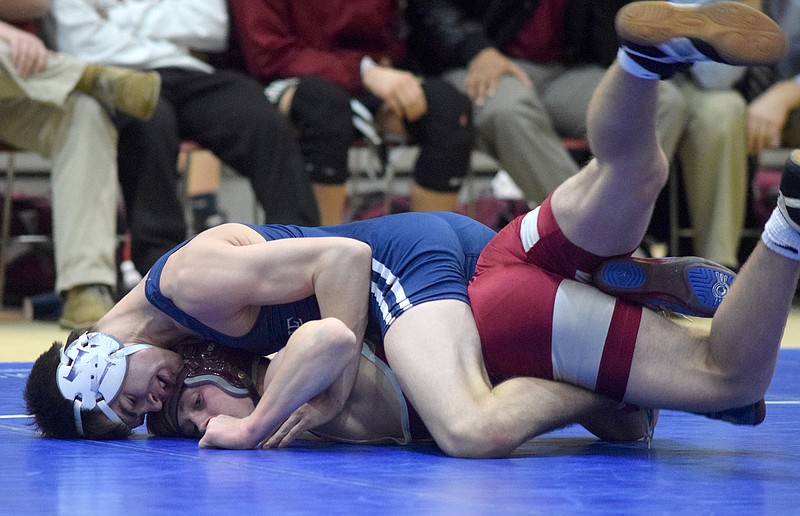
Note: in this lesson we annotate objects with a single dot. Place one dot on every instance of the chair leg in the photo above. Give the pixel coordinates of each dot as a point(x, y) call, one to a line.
point(674, 215)
point(5, 233)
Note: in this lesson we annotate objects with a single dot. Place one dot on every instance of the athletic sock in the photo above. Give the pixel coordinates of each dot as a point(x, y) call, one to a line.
point(654, 62)
point(782, 231)
point(205, 211)
point(632, 66)
point(781, 237)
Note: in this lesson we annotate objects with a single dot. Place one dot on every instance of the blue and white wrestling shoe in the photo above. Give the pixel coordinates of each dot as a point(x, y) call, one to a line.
point(687, 285)
point(664, 38)
point(750, 415)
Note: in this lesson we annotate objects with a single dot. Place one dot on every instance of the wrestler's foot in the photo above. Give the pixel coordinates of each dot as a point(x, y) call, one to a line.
point(664, 38)
point(782, 231)
point(688, 285)
point(749, 415)
point(120, 89)
point(789, 196)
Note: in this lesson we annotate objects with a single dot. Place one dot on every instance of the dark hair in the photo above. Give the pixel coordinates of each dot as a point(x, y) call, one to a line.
point(53, 414)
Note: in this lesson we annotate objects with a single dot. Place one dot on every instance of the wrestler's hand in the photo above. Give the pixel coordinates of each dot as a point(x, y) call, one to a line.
point(316, 412)
point(27, 52)
point(484, 72)
point(228, 432)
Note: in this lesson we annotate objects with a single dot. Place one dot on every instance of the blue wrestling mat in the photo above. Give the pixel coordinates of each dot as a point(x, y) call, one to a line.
point(696, 466)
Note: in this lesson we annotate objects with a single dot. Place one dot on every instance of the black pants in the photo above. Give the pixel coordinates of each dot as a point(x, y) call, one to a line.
point(226, 113)
point(445, 134)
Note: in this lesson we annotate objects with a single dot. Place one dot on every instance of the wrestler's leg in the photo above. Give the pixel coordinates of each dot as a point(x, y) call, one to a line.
point(433, 349)
point(605, 208)
point(531, 315)
point(732, 365)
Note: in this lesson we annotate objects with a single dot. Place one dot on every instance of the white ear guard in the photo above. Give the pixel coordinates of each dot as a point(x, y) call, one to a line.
point(91, 373)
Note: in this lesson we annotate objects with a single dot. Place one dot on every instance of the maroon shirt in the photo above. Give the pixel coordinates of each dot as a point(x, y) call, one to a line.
point(326, 38)
point(542, 38)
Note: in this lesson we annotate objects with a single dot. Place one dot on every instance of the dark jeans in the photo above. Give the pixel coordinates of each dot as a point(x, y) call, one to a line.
point(226, 113)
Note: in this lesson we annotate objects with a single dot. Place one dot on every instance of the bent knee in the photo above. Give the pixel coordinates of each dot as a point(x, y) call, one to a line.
point(472, 439)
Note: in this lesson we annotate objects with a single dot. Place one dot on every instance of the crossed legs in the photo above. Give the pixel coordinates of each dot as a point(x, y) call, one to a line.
point(604, 209)
point(434, 351)
point(434, 348)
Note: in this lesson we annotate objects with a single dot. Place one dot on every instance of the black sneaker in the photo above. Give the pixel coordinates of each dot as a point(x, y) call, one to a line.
point(789, 196)
point(688, 285)
point(751, 415)
point(665, 38)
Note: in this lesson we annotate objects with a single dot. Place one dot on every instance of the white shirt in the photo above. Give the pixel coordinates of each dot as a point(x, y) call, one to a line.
point(141, 34)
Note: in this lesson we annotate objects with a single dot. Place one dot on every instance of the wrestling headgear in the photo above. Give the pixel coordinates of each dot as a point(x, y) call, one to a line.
point(91, 373)
point(232, 370)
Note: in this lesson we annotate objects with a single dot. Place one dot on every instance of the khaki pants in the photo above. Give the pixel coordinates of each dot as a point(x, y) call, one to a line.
point(44, 114)
point(522, 128)
point(713, 159)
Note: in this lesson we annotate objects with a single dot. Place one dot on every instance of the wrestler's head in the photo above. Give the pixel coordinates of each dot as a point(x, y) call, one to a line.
point(215, 380)
point(97, 387)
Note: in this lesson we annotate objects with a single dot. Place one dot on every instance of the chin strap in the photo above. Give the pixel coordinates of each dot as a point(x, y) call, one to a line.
point(91, 373)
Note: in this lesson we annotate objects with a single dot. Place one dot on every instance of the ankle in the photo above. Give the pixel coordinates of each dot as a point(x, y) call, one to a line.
point(649, 62)
point(632, 66)
point(781, 237)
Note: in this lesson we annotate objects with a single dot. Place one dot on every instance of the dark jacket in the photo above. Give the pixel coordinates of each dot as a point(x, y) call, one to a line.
point(446, 34)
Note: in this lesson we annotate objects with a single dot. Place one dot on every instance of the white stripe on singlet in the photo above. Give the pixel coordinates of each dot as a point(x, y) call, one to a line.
point(529, 230)
point(581, 319)
point(397, 289)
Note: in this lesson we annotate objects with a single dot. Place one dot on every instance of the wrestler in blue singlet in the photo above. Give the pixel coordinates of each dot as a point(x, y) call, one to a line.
point(416, 257)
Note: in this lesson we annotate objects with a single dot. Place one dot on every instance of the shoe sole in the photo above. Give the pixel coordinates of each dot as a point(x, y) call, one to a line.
point(750, 415)
point(740, 34)
point(689, 285)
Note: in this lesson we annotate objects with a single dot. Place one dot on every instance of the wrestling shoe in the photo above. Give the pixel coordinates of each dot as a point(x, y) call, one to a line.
point(782, 231)
point(789, 195)
point(664, 38)
point(120, 89)
point(748, 415)
point(688, 285)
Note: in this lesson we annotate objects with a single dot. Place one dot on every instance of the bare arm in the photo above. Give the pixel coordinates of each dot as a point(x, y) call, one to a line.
point(225, 275)
point(317, 360)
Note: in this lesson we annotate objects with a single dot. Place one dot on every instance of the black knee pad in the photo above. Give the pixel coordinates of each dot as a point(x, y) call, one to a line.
point(445, 135)
point(321, 114)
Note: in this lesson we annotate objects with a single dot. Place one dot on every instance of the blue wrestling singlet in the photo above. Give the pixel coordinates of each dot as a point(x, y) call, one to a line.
point(416, 257)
